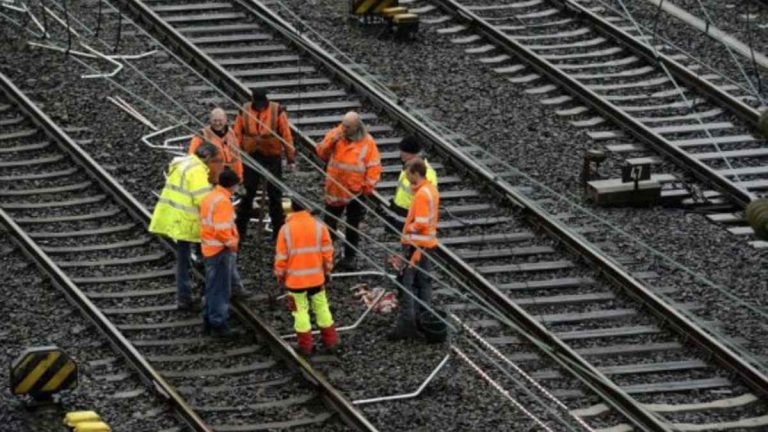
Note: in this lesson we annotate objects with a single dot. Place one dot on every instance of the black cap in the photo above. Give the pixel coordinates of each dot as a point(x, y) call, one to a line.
point(228, 178)
point(259, 97)
point(410, 144)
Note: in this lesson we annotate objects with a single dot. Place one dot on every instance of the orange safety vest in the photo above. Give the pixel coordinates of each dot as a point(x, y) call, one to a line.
point(353, 167)
point(304, 252)
point(228, 146)
point(420, 227)
point(260, 130)
point(217, 222)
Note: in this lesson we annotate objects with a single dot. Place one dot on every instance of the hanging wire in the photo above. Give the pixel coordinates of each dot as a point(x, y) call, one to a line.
point(484, 306)
point(163, 113)
point(98, 19)
point(752, 50)
point(69, 32)
point(680, 91)
point(738, 63)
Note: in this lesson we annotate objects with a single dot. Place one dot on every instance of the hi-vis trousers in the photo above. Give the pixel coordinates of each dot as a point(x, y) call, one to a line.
point(299, 303)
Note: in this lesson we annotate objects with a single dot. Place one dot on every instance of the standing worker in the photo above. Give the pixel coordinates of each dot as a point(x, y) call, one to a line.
point(419, 233)
point(303, 262)
point(223, 137)
point(219, 240)
point(410, 148)
point(176, 214)
point(261, 125)
point(354, 168)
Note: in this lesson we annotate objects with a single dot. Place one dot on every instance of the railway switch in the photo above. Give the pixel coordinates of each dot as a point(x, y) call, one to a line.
point(42, 372)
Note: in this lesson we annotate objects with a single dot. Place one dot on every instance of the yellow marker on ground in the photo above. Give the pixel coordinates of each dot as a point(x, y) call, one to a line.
point(41, 372)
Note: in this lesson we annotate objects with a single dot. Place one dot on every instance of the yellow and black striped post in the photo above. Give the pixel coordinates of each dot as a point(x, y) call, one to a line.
point(41, 372)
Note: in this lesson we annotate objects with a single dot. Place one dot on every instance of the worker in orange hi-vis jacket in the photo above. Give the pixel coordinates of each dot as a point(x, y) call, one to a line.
point(354, 168)
point(219, 241)
point(419, 233)
point(224, 138)
point(265, 135)
point(303, 263)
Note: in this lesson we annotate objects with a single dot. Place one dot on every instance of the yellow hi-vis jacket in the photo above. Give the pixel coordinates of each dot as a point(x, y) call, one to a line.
point(176, 213)
point(404, 194)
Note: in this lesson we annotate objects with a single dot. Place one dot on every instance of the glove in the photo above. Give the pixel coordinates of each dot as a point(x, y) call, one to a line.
point(415, 258)
point(367, 190)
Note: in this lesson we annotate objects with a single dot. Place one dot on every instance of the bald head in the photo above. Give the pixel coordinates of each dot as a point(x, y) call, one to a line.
point(352, 126)
point(218, 119)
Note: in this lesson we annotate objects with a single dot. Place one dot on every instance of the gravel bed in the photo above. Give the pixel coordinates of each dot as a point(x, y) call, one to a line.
point(515, 127)
point(728, 16)
point(141, 172)
point(26, 299)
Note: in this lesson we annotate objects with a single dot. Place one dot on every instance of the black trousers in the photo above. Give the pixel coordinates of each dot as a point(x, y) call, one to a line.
point(355, 214)
point(252, 181)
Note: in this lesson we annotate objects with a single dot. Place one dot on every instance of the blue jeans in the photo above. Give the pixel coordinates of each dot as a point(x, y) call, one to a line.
point(420, 285)
point(183, 264)
point(218, 285)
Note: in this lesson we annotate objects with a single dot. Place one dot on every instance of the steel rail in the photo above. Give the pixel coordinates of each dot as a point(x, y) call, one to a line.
point(563, 354)
point(755, 379)
point(166, 34)
point(146, 372)
point(704, 173)
point(348, 412)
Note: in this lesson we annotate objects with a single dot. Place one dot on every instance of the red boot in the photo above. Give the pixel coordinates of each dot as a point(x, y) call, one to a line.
point(330, 337)
point(305, 342)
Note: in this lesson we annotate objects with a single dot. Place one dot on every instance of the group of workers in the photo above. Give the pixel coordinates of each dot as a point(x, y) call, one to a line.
point(196, 207)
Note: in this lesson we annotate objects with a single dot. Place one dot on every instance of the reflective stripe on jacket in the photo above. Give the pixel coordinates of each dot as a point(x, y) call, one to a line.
point(304, 251)
point(176, 213)
point(353, 167)
point(217, 222)
point(256, 128)
point(229, 147)
point(421, 224)
point(404, 192)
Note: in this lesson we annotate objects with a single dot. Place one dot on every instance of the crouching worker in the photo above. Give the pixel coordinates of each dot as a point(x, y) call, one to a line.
point(303, 262)
point(219, 240)
point(177, 213)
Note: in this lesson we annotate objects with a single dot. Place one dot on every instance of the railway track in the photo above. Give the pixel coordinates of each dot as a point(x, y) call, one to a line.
point(642, 105)
point(89, 236)
point(633, 356)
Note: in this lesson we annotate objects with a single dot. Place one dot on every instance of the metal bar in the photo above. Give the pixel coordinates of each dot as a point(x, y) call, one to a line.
point(410, 395)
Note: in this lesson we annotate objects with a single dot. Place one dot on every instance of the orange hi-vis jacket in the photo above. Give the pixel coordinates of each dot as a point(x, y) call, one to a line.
point(353, 167)
point(229, 147)
point(304, 252)
point(217, 222)
point(258, 131)
point(421, 223)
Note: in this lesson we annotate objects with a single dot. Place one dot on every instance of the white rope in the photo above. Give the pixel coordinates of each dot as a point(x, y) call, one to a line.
point(499, 388)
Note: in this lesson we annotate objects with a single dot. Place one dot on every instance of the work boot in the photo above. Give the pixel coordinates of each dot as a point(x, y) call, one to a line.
point(185, 305)
point(305, 342)
point(402, 333)
point(207, 329)
point(330, 337)
point(239, 293)
point(222, 331)
point(347, 264)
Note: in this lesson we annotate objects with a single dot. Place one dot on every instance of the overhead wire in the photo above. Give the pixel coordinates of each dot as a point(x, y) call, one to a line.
point(268, 175)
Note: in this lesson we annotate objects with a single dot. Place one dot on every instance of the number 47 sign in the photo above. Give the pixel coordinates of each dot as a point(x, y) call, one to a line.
point(635, 173)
